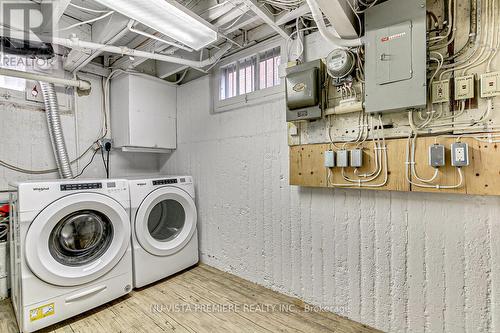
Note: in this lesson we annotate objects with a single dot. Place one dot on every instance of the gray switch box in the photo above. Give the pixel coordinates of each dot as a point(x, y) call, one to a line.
point(459, 154)
point(356, 158)
point(396, 57)
point(437, 156)
point(304, 97)
point(329, 159)
point(342, 158)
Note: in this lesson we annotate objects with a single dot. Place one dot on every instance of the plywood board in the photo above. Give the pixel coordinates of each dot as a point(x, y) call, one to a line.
point(395, 158)
point(481, 177)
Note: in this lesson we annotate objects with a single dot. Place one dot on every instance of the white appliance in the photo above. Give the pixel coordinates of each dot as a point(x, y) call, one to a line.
point(70, 248)
point(164, 232)
point(143, 114)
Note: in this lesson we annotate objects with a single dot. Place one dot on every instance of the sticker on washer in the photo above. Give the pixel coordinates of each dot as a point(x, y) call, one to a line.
point(42, 312)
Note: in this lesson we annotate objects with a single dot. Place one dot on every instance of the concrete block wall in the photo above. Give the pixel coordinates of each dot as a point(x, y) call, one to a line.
point(401, 262)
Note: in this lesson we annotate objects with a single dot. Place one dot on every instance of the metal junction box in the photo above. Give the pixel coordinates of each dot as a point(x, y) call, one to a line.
point(396, 56)
point(304, 97)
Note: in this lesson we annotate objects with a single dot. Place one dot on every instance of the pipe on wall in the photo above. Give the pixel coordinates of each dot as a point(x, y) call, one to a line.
point(55, 130)
point(80, 84)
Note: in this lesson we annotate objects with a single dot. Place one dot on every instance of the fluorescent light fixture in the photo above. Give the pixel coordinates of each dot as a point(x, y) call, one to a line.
point(169, 18)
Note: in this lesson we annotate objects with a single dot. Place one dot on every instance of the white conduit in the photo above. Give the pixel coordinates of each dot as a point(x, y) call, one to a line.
point(75, 43)
point(327, 34)
point(81, 84)
point(55, 130)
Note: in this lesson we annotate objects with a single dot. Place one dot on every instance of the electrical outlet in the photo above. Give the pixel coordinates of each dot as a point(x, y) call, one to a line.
point(464, 87)
point(356, 157)
point(437, 156)
point(106, 143)
point(342, 158)
point(441, 91)
point(490, 85)
point(459, 154)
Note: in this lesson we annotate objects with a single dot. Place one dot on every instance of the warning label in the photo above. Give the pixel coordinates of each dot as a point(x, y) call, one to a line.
point(42, 312)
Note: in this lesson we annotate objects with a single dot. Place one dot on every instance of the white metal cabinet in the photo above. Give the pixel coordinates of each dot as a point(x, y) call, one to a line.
point(143, 114)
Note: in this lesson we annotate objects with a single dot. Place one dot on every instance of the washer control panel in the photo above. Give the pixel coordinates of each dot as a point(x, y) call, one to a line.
point(81, 186)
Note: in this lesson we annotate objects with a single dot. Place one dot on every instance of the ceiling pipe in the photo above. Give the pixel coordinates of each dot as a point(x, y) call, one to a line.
point(327, 34)
point(75, 43)
point(80, 84)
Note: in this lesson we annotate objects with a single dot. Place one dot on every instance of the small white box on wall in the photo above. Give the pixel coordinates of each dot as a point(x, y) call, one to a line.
point(143, 114)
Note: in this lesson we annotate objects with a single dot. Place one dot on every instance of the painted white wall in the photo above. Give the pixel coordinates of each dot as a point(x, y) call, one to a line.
point(401, 262)
point(25, 140)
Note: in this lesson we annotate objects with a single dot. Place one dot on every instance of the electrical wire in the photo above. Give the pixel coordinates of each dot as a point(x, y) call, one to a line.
point(86, 166)
point(86, 22)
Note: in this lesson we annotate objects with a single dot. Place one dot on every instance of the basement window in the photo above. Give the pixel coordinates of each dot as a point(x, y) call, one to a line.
point(12, 62)
point(247, 75)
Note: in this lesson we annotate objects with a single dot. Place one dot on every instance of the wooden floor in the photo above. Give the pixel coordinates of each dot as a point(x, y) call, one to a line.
point(201, 299)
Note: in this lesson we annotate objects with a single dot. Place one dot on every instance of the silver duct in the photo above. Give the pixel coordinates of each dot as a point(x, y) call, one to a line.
point(55, 130)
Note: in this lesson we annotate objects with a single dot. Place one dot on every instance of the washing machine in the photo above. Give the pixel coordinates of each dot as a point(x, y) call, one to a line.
point(70, 248)
point(164, 232)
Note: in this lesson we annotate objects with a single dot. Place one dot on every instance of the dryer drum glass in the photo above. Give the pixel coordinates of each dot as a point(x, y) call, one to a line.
point(166, 220)
point(80, 238)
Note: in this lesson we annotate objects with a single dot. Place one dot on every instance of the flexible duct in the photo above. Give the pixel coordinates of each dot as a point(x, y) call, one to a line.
point(55, 130)
point(327, 34)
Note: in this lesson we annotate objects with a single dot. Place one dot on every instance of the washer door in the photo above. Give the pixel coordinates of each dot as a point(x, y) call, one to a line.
point(77, 239)
point(165, 221)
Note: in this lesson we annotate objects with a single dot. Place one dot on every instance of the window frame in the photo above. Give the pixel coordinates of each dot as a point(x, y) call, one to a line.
point(255, 97)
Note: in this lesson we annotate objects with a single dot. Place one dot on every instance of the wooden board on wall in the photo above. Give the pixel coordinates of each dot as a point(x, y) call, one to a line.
point(481, 177)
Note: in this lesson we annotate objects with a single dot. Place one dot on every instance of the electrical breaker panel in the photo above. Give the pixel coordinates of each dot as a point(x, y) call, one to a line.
point(396, 57)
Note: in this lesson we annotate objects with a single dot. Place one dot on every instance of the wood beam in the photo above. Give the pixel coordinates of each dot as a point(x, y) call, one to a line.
point(266, 16)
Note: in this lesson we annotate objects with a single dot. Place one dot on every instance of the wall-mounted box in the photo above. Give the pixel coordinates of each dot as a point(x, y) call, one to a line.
point(396, 58)
point(440, 91)
point(304, 97)
point(143, 114)
point(490, 85)
point(464, 87)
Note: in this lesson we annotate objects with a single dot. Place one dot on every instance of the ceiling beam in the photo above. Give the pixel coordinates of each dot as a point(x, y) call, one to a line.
point(294, 14)
point(54, 10)
point(266, 16)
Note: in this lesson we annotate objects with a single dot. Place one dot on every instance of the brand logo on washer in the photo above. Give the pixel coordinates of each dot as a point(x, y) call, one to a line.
point(40, 189)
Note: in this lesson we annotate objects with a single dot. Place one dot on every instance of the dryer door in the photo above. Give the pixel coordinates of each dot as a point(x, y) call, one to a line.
point(165, 221)
point(77, 239)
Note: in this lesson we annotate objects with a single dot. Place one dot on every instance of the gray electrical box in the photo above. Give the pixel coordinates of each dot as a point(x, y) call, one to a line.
point(304, 96)
point(356, 158)
point(437, 156)
point(396, 57)
point(343, 158)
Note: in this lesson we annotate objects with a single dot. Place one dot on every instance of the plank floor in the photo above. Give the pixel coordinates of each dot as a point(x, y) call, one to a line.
point(201, 299)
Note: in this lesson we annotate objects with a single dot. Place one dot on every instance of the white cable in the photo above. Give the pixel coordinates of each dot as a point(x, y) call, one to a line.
point(86, 22)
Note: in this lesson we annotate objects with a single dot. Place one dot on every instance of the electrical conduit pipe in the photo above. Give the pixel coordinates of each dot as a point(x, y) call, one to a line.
point(327, 34)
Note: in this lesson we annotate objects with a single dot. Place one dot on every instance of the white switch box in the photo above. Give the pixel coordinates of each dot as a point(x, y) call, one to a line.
point(459, 154)
point(329, 159)
point(342, 158)
point(464, 87)
point(441, 91)
point(356, 158)
point(490, 85)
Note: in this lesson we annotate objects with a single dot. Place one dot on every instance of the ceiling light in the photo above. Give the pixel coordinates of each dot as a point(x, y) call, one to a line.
point(169, 18)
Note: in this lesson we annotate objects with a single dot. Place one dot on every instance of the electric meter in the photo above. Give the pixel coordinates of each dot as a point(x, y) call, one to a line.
point(340, 63)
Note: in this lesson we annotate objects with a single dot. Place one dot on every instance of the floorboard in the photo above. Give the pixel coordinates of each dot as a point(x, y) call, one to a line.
point(201, 299)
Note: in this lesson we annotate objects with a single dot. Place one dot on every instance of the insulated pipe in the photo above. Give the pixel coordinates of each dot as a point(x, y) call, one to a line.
point(55, 130)
point(80, 84)
point(75, 43)
point(328, 35)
